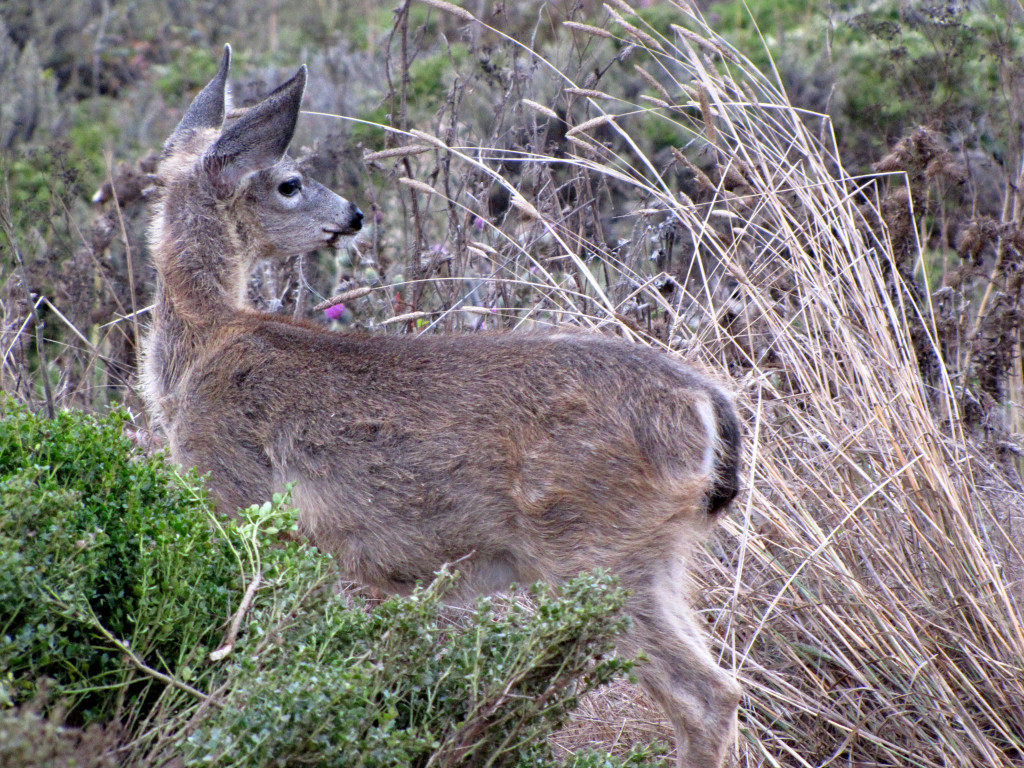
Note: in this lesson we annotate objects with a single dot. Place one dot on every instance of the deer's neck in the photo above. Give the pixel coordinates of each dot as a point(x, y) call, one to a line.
point(202, 269)
point(199, 256)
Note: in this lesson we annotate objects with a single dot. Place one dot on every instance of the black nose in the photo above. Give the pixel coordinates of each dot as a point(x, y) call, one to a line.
point(357, 220)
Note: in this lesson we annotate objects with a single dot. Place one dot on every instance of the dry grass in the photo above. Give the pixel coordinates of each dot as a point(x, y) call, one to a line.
point(615, 718)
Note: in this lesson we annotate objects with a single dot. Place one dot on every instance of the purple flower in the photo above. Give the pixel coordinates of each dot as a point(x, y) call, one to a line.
point(335, 312)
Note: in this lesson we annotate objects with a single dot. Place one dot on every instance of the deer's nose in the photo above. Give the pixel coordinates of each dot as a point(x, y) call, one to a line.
point(357, 220)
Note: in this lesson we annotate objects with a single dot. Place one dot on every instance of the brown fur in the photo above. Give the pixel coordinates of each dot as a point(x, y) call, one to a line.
point(522, 456)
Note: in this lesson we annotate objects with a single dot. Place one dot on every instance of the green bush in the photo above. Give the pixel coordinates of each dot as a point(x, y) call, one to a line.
point(99, 542)
point(882, 68)
point(115, 581)
point(192, 69)
point(403, 685)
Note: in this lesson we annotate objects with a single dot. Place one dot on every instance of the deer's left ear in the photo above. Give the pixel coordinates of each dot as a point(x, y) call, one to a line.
point(259, 138)
point(208, 107)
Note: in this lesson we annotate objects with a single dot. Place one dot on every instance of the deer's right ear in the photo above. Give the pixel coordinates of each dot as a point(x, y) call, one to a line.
point(208, 108)
point(258, 139)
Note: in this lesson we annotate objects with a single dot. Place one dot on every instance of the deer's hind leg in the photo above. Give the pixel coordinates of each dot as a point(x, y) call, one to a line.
point(698, 696)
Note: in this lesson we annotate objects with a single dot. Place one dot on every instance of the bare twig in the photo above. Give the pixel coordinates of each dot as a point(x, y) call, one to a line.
point(228, 643)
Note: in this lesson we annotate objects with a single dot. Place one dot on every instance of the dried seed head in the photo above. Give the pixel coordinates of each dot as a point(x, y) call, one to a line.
point(413, 149)
point(589, 93)
point(434, 140)
point(889, 163)
point(525, 206)
point(945, 167)
point(974, 238)
point(655, 101)
point(546, 111)
point(593, 122)
point(652, 81)
point(596, 31)
point(349, 295)
point(404, 318)
point(707, 44)
point(418, 185)
point(639, 34)
point(622, 6)
point(455, 10)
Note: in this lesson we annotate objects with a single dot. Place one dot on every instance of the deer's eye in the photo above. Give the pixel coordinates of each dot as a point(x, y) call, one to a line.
point(290, 188)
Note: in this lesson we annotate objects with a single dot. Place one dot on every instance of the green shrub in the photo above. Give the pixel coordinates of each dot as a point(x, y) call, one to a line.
point(370, 135)
point(881, 68)
point(401, 684)
point(99, 542)
point(115, 579)
point(94, 128)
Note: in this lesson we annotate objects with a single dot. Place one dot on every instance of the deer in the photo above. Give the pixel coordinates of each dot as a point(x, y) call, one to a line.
point(521, 456)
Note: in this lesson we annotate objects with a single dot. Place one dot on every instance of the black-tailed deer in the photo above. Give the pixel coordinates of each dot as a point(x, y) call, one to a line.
point(523, 456)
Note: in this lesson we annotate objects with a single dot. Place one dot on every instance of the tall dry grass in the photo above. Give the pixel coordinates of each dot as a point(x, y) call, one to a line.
point(867, 588)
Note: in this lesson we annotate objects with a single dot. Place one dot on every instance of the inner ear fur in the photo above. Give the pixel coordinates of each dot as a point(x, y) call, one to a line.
point(259, 138)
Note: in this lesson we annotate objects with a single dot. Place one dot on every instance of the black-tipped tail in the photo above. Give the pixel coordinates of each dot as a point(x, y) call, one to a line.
point(727, 457)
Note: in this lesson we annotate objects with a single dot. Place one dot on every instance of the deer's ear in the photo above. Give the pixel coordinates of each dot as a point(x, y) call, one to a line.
point(259, 138)
point(208, 107)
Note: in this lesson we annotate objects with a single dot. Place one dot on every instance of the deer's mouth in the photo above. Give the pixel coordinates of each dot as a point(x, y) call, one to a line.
point(333, 236)
point(338, 231)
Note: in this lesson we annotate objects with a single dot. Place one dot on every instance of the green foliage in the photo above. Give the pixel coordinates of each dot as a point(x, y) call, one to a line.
point(426, 79)
point(94, 537)
point(192, 69)
point(362, 31)
point(765, 17)
point(894, 66)
point(648, 755)
point(37, 180)
point(400, 683)
point(113, 573)
point(370, 135)
point(659, 132)
point(28, 740)
point(43, 185)
point(93, 130)
point(901, 71)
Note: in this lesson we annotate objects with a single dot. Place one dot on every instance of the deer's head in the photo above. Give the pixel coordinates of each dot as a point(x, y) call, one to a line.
point(241, 170)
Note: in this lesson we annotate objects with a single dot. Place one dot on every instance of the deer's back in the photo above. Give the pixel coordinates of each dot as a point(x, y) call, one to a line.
point(439, 445)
